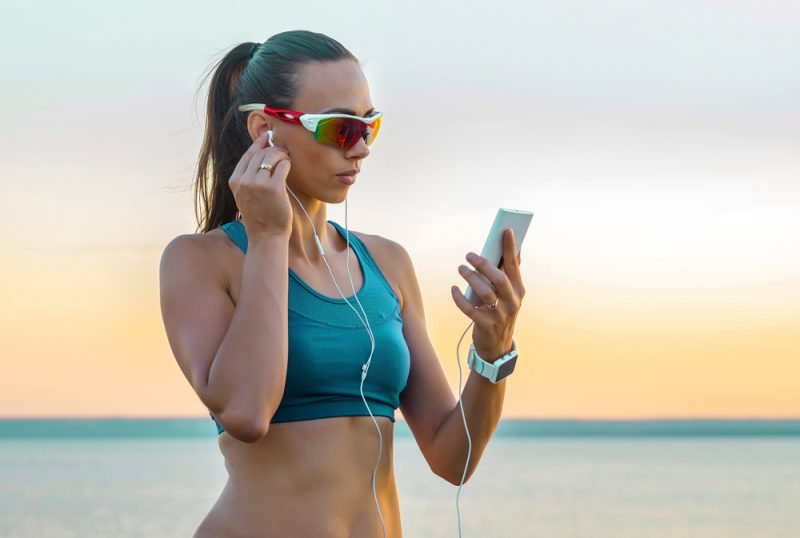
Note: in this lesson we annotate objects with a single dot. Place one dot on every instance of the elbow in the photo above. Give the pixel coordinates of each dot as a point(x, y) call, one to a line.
point(452, 475)
point(252, 432)
point(454, 478)
point(244, 427)
point(446, 464)
point(242, 420)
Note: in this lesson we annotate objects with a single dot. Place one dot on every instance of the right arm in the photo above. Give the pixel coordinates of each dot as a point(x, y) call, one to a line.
point(234, 356)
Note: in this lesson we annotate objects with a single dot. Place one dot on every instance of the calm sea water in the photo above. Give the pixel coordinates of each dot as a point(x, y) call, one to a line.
point(536, 479)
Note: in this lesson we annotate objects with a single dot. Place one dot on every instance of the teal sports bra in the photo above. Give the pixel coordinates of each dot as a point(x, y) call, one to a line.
point(328, 344)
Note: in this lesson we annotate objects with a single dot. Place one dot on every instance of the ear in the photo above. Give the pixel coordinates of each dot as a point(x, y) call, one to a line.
point(257, 123)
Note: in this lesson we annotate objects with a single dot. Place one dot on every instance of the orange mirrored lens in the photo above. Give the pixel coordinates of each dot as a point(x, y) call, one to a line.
point(345, 132)
point(375, 126)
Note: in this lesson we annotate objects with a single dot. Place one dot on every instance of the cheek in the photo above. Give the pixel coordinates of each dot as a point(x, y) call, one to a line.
point(310, 159)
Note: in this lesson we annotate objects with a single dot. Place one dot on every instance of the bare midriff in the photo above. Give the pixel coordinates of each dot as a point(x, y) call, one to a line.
point(308, 478)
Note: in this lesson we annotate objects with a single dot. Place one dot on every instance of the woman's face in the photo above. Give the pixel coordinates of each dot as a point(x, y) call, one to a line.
point(324, 86)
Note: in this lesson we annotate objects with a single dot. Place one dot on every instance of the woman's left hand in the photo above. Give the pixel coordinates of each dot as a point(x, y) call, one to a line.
point(494, 323)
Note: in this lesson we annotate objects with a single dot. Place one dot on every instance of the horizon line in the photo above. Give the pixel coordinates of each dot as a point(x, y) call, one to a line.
point(399, 419)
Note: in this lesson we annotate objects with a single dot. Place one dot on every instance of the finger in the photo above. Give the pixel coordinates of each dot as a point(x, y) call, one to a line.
point(270, 156)
point(281, 170)
point(510, 253)
point(479, 284)
point(267, 172)
point(496, 276)
point(463, 304)
point(255, 161)
point(258, 143)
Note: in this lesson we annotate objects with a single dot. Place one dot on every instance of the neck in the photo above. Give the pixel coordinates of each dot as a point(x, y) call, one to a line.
point(302, 245)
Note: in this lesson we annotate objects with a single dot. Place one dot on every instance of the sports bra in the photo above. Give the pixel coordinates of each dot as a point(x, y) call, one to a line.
point(328, 344)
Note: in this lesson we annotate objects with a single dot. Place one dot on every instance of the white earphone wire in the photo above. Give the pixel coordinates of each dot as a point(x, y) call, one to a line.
point(466, 429)
point(365, 366)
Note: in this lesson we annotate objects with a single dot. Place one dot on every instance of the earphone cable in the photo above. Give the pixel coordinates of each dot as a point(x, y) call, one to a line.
point(365, 367)
point(365, 370)
point(466, 429)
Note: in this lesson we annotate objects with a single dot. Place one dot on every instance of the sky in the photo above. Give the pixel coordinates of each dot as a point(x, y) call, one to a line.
point(657, 144)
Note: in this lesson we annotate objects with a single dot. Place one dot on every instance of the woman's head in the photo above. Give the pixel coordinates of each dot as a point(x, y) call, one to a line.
point(299, 70)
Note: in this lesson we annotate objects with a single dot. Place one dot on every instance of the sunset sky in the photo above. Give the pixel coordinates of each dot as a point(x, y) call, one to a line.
point(658, 145)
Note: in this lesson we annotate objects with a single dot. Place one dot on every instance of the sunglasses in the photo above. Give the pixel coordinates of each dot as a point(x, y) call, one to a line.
point(340, 130)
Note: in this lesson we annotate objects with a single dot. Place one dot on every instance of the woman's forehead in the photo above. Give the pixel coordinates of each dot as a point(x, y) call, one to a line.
point(326, 85)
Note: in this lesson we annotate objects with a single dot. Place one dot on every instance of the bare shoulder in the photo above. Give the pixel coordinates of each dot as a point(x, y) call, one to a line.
point(209, 250)
point(198, 245)
point(391, 257)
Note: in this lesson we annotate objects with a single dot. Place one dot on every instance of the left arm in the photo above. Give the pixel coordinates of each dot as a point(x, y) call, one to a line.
point(427, 403)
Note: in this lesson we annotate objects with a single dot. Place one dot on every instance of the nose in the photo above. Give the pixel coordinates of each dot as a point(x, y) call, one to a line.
point(358, 151)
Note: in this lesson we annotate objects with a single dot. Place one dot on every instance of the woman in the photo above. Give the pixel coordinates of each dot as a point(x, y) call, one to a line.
point(279, 361)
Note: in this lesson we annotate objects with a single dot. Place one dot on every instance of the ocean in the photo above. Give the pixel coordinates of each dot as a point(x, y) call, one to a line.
point(674, 478)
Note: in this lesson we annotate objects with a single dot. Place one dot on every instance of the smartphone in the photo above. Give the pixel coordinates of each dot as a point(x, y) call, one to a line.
point(516, 219)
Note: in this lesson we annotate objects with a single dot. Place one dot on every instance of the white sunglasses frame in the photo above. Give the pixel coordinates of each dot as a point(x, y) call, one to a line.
point(310, 121)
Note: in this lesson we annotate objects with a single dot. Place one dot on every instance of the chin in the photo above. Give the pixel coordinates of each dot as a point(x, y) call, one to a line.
point(340, 198)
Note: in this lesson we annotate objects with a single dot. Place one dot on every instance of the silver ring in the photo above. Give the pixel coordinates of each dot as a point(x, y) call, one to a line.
point(267, 166)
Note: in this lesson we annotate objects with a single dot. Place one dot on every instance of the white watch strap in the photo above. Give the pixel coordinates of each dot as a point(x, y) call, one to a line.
point(489, 369)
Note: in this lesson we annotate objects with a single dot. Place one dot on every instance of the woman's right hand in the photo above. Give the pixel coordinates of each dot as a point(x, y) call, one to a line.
point(260, 196)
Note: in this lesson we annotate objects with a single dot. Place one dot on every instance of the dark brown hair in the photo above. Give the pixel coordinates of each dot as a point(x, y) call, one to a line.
point(270, 77)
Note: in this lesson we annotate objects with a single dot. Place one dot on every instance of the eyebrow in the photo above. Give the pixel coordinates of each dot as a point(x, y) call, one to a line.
point(347, 111)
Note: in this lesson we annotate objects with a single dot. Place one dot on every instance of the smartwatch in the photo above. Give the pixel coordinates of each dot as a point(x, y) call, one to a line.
point(493, 371)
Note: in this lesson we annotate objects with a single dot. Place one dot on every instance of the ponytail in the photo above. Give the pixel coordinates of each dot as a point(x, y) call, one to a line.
point(266, 77)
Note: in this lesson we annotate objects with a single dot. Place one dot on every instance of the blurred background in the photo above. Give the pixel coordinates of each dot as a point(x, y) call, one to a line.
point(657, 144)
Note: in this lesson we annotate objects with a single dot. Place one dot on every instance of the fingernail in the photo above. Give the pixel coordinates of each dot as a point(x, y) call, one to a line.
point(472, 257)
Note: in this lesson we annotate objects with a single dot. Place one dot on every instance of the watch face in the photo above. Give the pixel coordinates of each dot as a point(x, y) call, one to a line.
point(506, 368)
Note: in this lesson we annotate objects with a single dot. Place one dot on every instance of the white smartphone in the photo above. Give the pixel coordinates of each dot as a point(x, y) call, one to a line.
point(515, 219)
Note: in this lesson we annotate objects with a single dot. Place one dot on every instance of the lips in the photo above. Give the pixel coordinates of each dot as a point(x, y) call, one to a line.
point(349, 177)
